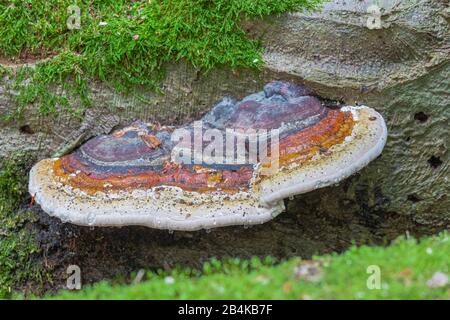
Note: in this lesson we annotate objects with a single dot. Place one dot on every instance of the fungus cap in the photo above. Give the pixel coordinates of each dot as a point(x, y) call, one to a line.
point(131, 177)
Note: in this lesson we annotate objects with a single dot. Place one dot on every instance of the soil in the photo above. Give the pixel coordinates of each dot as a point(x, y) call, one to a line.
point(25, 58)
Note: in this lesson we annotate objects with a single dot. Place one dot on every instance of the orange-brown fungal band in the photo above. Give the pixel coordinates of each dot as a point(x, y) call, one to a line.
point(298, 147)
point(132, 176)
point(338, 160)
point(173, 175)
point(318, 139)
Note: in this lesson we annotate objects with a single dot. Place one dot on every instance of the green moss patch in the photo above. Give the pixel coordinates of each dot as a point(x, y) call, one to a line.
point(125, 43)
point(18, 249)
point(405, 270)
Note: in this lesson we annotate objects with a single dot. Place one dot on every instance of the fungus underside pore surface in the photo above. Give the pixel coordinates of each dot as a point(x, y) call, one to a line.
point(123, 43)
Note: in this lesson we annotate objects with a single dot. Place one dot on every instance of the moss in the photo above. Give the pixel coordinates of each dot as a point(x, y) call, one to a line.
point(18, 248)
point(3, 71)
point(126, 43)
point(405, 268)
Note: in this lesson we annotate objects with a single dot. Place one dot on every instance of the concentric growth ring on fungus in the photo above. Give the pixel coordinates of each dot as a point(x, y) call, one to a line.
point(136, 175)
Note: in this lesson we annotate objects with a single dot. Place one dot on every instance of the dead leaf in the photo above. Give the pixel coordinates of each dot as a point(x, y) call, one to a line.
point(309, 271)
point(287, 287)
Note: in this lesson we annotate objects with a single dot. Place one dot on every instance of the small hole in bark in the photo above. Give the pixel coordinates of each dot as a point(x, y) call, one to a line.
point(26, 129)
point(408, 139)
point(435, 162)
point(413, 198)
point(421, 117)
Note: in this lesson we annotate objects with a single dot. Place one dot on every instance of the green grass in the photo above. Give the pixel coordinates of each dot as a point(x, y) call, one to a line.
point(17, 244)
point(131, 48)
point(406, 266)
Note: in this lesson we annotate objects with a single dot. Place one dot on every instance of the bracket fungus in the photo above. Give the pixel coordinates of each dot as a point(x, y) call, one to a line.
point(234, 167)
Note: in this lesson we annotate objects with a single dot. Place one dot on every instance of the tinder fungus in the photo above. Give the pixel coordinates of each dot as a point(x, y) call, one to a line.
point(233, 167)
